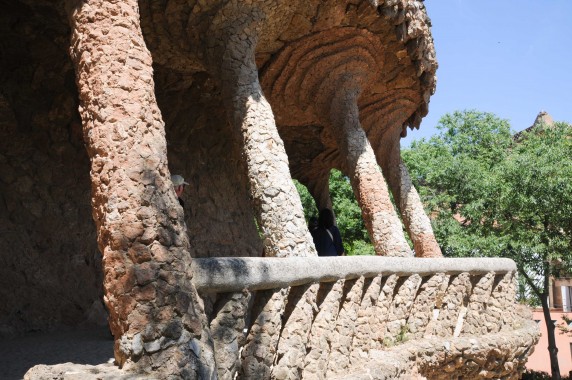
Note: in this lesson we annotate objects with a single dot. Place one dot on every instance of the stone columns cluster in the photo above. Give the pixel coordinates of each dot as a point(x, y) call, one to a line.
point(278, 208)
point(369, 184)
point(155, 314)
point(327, 79)
point(361, 166)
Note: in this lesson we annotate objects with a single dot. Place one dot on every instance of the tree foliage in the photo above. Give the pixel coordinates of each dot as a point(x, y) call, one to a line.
point(490, 194)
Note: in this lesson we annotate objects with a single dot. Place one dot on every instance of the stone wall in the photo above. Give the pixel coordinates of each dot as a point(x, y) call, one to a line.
point(50, 267)
point(203, 148)
point(370, 318)
point(359, 318)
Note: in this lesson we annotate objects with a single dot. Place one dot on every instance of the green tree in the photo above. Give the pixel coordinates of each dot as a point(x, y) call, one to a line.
point(490, 195)
point(308, 203)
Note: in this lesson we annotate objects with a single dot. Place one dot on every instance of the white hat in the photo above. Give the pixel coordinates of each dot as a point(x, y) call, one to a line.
point(178, 180)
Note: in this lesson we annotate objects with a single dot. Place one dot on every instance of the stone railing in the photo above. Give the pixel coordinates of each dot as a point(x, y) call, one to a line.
point(364, 317)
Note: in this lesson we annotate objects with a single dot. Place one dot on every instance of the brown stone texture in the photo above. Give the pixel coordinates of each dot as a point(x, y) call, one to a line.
point(428, 299)
point(495, 356)
point(343, 331)
point(498, 307)
point(227, 329)
point(413, 215)
point(320, 330)
point(50, 267)
point(100, 101)
point(366, 178)
point(299, 315)
point(454, 307)
point(364, 326)
point(231, 54)
point(155, 314)
point(401, 306)
point(260, 348)
point(383, 305)
point(321, 334)
point(439, 289)
point(335, 333)
point(478, 306)
point(78, 371)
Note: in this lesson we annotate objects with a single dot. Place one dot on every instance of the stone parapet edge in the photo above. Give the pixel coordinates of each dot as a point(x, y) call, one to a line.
point(413, 358)
point(226, 274)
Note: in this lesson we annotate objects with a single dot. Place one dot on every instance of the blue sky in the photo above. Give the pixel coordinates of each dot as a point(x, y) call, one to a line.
point(509, 57)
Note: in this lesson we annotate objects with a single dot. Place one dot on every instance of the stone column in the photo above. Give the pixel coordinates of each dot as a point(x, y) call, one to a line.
point(277, 204)
point(155, 316)
point(369, 186)
point(410, 206)
point(319, 188)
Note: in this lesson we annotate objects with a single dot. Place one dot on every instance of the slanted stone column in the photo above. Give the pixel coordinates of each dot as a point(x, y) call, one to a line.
point(276, 201)
point(155, 316)
point(320, 191)
point(409, 204)
point(369, 186)
point(322, 335)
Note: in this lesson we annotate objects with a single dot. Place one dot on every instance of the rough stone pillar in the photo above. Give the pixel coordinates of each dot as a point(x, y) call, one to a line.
point(369, 186)
point(276, 201)
point(322, 335)
point(294, 337)
point(227, 329)
point(319, 188)
point(410, 206)
point(344, 328)
point(259, 351)
point(154, 312)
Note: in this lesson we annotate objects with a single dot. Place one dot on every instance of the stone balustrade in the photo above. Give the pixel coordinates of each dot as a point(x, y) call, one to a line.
point(364, 317)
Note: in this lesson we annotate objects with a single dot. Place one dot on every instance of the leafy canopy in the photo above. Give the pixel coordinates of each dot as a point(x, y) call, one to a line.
point(490, 195)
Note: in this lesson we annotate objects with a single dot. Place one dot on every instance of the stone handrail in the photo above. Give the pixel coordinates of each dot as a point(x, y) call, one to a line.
point(226, 274)
point(364, 317)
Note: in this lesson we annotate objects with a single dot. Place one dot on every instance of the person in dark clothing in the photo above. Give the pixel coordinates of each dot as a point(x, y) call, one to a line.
point(327, 238)
point(312, 223)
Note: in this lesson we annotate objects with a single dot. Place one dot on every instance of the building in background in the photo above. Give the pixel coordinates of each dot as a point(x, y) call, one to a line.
point(560, 301)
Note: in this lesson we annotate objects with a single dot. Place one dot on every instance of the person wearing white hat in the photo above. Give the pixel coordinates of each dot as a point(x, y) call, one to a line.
point(179, 185)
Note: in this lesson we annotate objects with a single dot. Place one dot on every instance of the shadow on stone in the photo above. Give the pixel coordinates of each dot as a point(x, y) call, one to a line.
point(88, 346)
